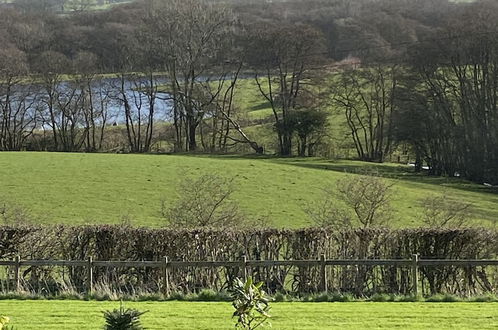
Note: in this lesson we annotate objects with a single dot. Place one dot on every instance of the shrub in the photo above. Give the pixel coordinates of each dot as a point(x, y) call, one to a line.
point(211, 295)
point(123, 319)
point(323, 297)
point(410, 298)
point(205, 201)
point(330, 297)
point(381, 297)
point(362, 200)
point(444, 210)
point(279, 297)
point(443, 298)
point(347, 297)
point(178, 296)
point(3, 322)
point(485, 298)
point(251, 304)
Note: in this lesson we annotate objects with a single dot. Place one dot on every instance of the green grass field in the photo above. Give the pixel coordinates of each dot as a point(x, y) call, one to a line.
point(53, 315)
point(102, 188)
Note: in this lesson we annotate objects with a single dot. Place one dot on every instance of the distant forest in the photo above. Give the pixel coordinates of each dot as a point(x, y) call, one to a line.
point(375, 30)
point(414, 73)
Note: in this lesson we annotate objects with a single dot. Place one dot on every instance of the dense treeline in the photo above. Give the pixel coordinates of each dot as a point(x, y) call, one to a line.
point(421, 74)
point(127, 243)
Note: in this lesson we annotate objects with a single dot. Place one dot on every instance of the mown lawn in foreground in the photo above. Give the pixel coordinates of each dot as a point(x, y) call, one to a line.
point(64, 188)
point(54, 315)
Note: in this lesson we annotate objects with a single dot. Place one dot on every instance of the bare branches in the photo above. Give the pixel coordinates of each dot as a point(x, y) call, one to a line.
point(443, 211)
point(282, 53)
point(12, 214)
point(194, 39)
point(366, 96)
point(327, 212)
point(205, 201)
point(362, 200)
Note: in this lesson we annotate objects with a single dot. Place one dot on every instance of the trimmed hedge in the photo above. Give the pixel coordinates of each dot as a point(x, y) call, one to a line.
point(129, 243)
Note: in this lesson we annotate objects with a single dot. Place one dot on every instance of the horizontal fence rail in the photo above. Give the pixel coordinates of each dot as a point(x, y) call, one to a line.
point(166, 265)
point(254, 263)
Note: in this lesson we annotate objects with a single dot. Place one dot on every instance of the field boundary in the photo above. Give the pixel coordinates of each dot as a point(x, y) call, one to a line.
point(166, 265)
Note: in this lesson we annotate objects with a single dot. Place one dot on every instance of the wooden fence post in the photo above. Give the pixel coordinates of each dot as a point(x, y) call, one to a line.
point(89, 278)
point(244, 267)
point(415, 273)
point(166, 276)
point(7, 284)
point(17, 274)
point(323, 272)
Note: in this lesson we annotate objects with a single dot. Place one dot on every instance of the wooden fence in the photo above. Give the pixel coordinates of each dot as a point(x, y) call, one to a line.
point(166, 265)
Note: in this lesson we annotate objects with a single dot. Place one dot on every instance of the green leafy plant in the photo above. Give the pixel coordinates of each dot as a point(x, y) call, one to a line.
point(123, 319)
point(3, 323)
point(251, 304)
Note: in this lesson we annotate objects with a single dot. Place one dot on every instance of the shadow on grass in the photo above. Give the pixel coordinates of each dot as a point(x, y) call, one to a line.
point(387, 170)
point(392, 171)
point(261, 106)
point(224, 156)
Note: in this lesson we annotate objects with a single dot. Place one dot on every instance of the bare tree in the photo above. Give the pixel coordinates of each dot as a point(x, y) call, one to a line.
point(192, 36)
point(18, 101)
point(204, 201)
point(328, 212)
point(135, 86)
point(50, 66)
point(94, 100)
point(457, 70)
point(283, 55)
point(222, 112)
point(137, 97)
point(442, 210)
point(366, 95)
point(362, 200)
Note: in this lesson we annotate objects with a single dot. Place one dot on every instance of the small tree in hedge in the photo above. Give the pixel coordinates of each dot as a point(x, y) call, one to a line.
point(443, 210)
point(362, 200)
point(204, 201)
point(251, 304)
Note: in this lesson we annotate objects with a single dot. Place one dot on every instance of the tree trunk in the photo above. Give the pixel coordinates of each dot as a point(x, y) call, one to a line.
point(192, 142)
point(286, 148)
point(303, 147)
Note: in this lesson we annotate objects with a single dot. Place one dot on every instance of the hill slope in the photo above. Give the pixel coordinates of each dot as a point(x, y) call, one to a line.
point(104, 188)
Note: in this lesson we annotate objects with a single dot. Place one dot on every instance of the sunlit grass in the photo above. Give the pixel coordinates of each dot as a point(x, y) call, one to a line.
point(54, 315)
point(102, 188)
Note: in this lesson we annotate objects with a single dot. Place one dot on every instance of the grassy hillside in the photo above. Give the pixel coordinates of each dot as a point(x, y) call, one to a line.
point(104, 188)
point(197, 315)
